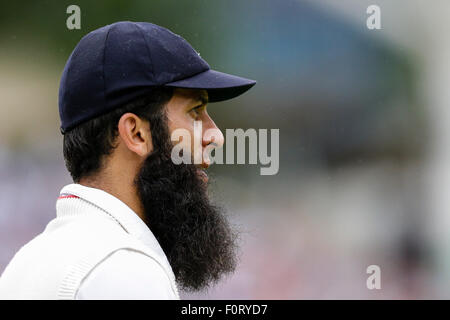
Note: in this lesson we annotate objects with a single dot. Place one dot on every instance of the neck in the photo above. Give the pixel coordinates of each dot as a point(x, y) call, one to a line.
point(127, 193)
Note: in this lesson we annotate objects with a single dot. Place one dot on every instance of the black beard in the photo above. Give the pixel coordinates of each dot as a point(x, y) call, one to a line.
point(194, 234)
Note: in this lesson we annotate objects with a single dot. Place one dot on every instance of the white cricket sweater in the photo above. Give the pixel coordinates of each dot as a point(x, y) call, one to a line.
point(95, 248)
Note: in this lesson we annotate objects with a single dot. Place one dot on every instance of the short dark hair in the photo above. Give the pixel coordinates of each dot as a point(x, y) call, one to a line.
point(86, 145)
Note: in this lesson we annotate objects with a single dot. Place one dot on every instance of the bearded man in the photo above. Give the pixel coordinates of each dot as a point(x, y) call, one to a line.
point(133, 225)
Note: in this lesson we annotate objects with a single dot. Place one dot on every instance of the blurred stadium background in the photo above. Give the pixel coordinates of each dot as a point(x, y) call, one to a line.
point(364, 123)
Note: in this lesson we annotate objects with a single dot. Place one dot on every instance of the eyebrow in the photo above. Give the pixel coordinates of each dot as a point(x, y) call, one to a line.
point(203, 98)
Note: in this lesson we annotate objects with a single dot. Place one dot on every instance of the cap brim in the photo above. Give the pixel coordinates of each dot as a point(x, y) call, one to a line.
point(220, 86)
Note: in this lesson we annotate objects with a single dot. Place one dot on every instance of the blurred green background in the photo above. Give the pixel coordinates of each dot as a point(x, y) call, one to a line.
point(363, 119)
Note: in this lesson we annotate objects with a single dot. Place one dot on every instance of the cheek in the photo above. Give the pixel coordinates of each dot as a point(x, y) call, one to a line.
point(180, 120)
point(182, 133)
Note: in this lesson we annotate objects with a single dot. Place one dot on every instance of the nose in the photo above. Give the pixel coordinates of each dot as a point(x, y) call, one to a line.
point(212, 135)
point(212, 138)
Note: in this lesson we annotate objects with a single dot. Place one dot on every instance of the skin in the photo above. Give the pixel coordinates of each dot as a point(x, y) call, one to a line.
point(134, 144)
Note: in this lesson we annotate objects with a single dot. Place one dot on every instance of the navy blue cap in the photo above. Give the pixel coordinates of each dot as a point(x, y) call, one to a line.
point(114, 64)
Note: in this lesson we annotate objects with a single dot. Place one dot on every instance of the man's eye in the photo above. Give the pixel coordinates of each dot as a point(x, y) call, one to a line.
point(197, 109)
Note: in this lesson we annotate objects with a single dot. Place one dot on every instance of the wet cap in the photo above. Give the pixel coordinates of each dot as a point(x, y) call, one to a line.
point(114, 64)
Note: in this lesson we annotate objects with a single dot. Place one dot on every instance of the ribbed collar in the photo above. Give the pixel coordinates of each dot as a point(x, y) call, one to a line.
point(116, 209)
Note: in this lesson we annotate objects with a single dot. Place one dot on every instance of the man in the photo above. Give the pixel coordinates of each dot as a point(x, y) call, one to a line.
point(133, 225)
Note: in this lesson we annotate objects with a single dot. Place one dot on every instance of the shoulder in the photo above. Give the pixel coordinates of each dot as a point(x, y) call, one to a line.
point(126, 274)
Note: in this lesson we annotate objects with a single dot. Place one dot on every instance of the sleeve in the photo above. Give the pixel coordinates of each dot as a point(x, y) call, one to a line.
point(126, 274)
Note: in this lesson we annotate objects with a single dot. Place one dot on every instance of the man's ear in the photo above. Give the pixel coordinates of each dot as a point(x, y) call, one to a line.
point(135, 134)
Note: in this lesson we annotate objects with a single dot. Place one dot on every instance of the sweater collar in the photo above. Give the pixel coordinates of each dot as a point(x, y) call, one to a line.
point(117, 210)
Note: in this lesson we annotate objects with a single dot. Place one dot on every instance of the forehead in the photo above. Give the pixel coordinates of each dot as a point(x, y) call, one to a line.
point(190, 96)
